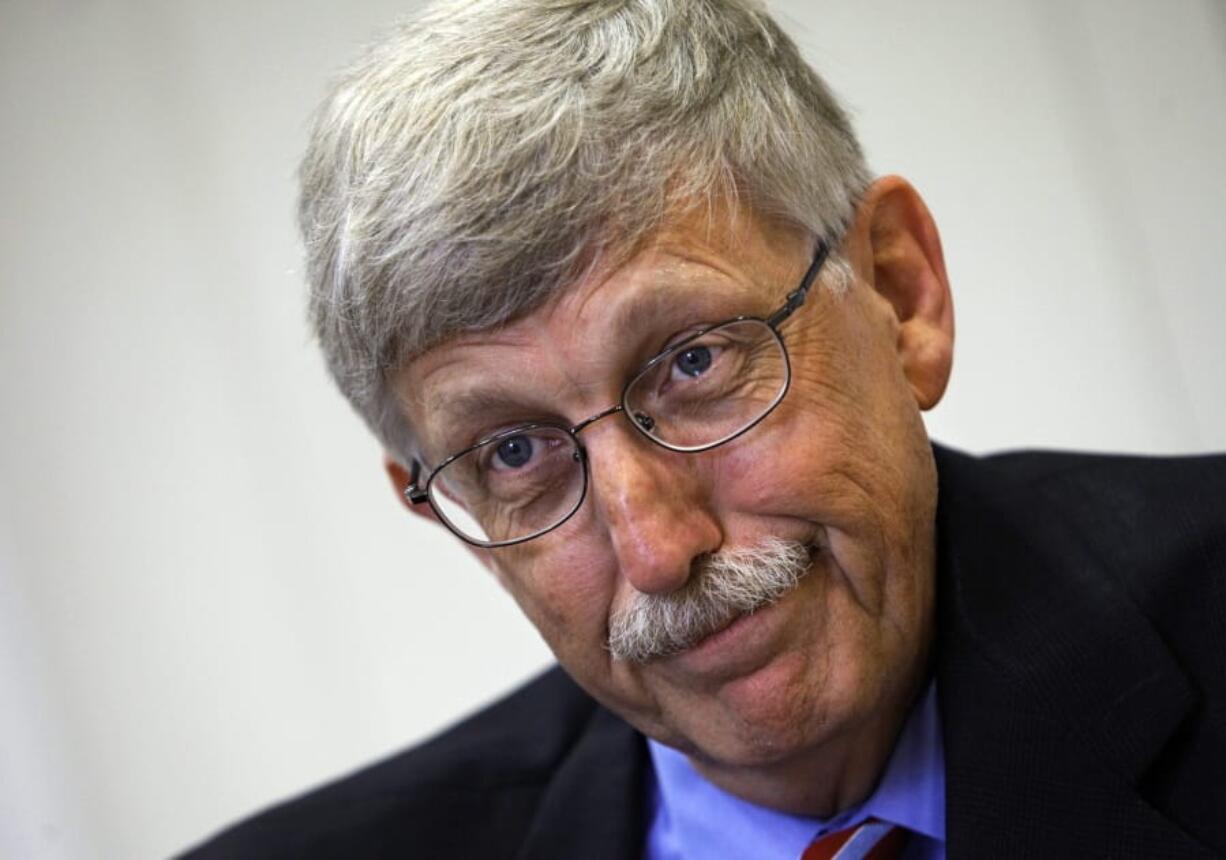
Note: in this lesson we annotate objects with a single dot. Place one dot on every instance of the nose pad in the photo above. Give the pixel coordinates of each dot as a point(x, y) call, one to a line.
point(654, 507)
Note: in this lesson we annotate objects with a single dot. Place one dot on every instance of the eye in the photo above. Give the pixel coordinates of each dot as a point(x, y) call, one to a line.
point(693, 361)
point(513, 452)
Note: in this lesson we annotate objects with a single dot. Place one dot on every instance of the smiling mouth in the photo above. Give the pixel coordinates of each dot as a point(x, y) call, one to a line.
point(723, 588)
point(716, 631)
point(735, 616)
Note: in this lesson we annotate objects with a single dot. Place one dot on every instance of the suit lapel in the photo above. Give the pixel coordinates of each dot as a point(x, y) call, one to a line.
point(1056, 694)
point(594, 805)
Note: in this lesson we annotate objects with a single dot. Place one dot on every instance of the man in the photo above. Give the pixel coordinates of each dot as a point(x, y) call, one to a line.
point(613, 286)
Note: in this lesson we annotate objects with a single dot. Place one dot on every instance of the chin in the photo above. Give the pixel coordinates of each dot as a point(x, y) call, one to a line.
point(779, 714)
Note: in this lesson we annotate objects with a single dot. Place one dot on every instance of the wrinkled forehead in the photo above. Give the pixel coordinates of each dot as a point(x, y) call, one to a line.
point(578, 348)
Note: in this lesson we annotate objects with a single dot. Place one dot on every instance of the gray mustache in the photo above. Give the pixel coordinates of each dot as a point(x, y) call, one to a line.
point(723, 586)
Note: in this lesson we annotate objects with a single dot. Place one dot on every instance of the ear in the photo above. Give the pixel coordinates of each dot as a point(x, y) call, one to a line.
point(401, 478)
point(898, 249)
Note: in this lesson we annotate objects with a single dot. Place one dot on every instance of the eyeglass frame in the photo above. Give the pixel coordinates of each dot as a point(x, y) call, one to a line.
point(417, 493)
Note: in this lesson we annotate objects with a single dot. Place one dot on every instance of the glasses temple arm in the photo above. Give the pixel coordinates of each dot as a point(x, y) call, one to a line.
point(797, 297)
point(415, 494)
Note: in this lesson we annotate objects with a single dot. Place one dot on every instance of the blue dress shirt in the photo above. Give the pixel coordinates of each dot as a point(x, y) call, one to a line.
point(691, 819)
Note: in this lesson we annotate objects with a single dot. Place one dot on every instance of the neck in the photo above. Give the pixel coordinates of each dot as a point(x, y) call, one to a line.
point(828, 779)
point(842, 765)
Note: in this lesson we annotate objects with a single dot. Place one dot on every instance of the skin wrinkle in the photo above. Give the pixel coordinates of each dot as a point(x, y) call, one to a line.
point(859, 507)
point(454, 407)
point(663, 296)
point(800, 716)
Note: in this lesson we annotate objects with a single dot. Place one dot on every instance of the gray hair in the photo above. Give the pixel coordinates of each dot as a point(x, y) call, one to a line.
point(484, 155)
point(722, 587)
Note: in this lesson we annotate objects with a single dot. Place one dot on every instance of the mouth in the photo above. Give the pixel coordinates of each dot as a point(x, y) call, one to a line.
point(717, 632)
point(735, 619)
point(733, 592)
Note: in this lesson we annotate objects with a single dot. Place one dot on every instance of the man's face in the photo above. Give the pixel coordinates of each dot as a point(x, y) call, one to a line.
point(842, 464)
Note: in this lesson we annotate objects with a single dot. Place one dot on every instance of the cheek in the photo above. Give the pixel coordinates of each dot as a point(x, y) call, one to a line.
point(849, 424)
point(565, 590)
point(796, 464)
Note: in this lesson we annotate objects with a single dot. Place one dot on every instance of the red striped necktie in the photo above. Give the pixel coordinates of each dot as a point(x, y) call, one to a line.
point(868, 840)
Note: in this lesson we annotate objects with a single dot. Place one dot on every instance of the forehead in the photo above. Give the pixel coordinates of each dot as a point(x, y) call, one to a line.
point(702, 267)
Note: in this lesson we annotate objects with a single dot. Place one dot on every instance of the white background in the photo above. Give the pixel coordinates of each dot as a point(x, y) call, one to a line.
point(209, 597)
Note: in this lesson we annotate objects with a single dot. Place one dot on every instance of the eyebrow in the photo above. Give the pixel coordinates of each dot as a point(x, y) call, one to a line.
point(454, 408)
point(647, 305)
point(665, 295)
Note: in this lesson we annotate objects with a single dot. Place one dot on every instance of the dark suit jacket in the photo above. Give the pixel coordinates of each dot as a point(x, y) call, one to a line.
point(1081, 678)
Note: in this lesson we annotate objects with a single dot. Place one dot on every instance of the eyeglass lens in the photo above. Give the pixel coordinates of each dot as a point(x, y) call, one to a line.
point(512, 487)
point(710, 387)
point(701, 392)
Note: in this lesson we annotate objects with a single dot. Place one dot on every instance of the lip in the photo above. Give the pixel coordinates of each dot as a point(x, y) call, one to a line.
point(746, 643)
point(716, 637)
point(734, 649)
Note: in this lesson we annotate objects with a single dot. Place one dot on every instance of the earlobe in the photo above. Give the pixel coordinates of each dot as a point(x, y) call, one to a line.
point(401, 478)
point(902, 252)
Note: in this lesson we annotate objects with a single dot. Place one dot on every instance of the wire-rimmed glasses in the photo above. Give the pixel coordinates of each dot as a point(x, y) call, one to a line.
point(701, 392)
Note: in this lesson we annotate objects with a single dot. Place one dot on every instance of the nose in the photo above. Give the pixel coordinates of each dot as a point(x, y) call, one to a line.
point(653, 505)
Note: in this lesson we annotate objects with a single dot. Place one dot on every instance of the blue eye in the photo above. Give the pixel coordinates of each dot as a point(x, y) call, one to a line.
point(693, 360)
point(515, 451)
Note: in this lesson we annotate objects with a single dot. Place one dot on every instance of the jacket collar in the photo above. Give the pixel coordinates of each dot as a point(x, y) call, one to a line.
point(1056, 693)
point(594, 806)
